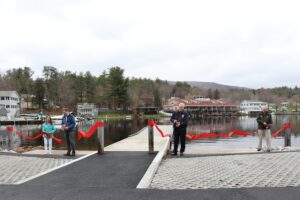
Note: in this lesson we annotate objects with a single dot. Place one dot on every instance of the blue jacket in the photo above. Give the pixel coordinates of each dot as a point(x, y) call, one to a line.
point(69, 121)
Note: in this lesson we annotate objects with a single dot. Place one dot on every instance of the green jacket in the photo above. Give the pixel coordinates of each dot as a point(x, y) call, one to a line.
point(264, 117)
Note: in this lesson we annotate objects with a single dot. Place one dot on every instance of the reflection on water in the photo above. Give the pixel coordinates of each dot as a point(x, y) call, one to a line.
point(114, 131)
point(247, 124)
point(120, 129)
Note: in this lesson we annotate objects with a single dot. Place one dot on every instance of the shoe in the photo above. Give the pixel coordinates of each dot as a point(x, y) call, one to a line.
point(73, 154)
point(258, 149)
point(67, 154)
point(268, 150)
point(181, 153)
point(174, 154)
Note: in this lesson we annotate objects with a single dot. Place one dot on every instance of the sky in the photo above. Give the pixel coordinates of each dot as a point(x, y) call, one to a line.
point(235, 42)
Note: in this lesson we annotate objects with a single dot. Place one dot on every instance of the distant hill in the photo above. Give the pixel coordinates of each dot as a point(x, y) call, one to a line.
point(211, 85)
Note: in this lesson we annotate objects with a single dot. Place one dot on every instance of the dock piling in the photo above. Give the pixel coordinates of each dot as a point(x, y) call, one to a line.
point(150, 139)
point(100, 140)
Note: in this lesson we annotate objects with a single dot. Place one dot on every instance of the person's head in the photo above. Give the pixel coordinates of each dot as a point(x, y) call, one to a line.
point(66, 112)
point(181, 107)
point(265, 108)
point(48, 120)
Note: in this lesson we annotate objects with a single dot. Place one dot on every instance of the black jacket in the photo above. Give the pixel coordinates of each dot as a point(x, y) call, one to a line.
point(264, 117)
point(181, 117)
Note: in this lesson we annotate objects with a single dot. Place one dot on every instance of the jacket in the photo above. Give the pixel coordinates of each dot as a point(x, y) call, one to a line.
point(69, 121)
point(264, 117)
point(181, 117)
point(48, 128)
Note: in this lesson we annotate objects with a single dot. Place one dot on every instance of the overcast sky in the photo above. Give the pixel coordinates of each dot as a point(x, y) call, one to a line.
point(245, 43)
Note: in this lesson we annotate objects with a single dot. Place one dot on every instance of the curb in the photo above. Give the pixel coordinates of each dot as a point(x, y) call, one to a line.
point(148, 176)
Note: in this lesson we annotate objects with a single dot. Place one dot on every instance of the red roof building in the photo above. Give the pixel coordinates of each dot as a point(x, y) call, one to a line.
point(203, 108)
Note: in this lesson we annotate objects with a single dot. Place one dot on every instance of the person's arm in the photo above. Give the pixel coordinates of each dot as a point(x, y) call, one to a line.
point(184, 121)
point(270, 120)
point(43, 128)
point(173, 118)
point(259, 119)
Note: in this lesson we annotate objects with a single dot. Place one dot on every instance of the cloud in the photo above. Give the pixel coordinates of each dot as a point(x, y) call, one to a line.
point(246, 43)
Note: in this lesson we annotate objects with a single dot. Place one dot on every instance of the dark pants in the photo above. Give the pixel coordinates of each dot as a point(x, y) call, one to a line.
point(70, 137)
point(179, 135)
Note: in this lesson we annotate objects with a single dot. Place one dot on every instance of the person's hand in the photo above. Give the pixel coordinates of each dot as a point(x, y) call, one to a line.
point(265, 123)
point(177, 124)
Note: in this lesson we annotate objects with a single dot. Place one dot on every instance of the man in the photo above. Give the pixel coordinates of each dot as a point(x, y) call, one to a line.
point(68, 125)
point(180, 122)
point(264, 121)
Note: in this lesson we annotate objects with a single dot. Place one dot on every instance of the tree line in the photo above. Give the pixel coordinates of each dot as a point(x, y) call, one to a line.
point(111, 89)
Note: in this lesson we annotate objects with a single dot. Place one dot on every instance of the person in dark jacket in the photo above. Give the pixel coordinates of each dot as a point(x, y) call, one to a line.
point(264, 121)
point(180, 122)
point(68, 125)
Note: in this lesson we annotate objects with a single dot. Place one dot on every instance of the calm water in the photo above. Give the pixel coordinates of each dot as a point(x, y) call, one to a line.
point(120, 129)
point(114, 131)
point(246, 124)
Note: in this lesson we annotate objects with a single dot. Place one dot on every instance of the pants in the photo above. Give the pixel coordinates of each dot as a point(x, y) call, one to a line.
point(268, 138)
point(70, 141)
point(179, 135)
point(48, 144)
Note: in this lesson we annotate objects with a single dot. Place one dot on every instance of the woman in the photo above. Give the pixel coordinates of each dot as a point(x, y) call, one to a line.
point(48, 129)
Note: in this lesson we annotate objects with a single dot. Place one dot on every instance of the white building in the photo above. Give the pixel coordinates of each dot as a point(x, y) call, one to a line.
point(10, 100)
point(87, 109)
point(250, 106)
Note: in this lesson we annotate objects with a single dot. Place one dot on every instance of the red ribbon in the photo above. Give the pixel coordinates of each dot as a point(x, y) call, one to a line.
point(285, 126)
point(11, 129)
point(82, 134)
point(152, 123)
point(215, 135)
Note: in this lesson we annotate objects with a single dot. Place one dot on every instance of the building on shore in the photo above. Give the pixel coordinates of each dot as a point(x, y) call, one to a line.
point(9, 103)
point(203, 108)
point(89, 109)
point(27, 102)
point(251, 107)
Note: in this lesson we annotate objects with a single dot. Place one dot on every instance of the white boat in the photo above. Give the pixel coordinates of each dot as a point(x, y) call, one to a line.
point(57, 118)
point(165, 113)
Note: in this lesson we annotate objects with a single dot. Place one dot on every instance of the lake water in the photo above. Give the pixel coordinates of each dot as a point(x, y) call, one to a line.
point(117, 130)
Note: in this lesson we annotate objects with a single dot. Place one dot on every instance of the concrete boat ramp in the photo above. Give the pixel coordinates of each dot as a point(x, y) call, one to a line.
point(126, 167)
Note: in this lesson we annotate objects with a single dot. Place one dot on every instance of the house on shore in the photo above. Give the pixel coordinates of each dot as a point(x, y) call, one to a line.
point(202, 108)
point(9, 103)
point(252, 107)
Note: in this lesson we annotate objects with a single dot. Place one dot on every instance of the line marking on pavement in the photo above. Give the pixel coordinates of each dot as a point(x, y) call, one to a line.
point(53, 169)
point(152, 169)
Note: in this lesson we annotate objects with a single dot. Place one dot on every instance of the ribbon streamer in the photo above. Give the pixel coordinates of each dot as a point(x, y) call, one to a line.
point(82, 134)
point(152, 123)
point(285, 126)
point(215, 135)
point(11, 129)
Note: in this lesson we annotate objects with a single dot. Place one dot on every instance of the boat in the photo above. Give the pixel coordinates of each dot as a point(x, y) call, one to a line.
point(165, 113)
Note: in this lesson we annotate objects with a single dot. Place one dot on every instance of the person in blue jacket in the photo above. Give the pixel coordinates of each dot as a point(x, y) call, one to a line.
point(48, 129)
point(68, 125)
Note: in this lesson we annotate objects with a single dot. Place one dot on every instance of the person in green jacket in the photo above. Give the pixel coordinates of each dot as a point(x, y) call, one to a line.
point(48, 129)
point(264, 121)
